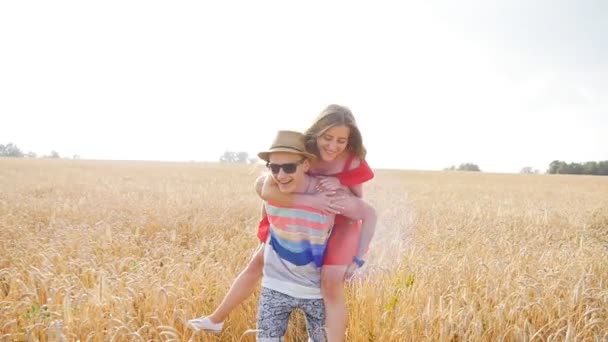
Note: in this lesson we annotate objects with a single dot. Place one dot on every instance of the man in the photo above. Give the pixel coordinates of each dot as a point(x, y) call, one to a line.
point(294, 251)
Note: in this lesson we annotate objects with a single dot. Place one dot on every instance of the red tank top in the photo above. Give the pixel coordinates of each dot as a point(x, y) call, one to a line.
point(358, 175)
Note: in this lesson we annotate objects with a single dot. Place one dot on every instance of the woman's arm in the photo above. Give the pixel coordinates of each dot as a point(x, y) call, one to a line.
point(268, 190)
point(358, 173)
point(333, 184)
point(356, 190)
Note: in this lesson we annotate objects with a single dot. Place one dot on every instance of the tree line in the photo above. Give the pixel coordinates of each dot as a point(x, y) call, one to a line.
point(588, 168)
point(11, 150)
point(599, 168)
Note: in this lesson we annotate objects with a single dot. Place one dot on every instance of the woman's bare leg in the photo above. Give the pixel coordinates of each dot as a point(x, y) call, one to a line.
point(336, 313)
point(242, 287)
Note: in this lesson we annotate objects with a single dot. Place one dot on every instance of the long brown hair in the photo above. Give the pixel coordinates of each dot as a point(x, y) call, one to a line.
point(336, 115)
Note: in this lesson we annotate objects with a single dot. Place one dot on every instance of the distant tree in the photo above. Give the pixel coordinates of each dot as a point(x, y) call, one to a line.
point(602, 168)
point(54, 155)
point(253, 160)
point(468, 167)
point(527, 170)
point(590, 168)
point(31, 155)
point(556, 166)
point(228, 157)
point(575, 169)
point(234, 157)
point(75, 156)
point(242, 157)
point(451, 168)
point(10, 150)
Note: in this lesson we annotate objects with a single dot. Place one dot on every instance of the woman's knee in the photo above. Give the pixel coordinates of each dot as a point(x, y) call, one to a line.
point(332, 281)
point(256, 264)
point(259, 184)
point(370, 212)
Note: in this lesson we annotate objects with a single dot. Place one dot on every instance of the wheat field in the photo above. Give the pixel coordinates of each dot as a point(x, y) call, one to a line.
point(129, 251)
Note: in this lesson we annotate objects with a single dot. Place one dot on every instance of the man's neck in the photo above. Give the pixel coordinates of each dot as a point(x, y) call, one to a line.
point(305, 184)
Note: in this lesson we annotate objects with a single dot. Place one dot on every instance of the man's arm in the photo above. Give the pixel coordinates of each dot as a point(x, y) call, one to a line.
point(268, 190)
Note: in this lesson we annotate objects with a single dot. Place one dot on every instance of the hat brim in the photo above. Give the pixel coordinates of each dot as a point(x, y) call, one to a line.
point(265, 154)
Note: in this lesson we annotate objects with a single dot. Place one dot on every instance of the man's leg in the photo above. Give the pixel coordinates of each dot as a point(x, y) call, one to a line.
point(314, 309)
point(273, 315)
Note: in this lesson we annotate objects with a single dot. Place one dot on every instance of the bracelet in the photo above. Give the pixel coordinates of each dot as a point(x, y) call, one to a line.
point(358, 261)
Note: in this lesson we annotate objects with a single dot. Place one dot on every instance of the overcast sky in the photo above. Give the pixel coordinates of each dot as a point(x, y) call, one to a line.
point(503, 84)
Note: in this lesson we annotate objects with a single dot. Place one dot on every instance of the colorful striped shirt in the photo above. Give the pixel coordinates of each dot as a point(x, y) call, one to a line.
point(295, 249)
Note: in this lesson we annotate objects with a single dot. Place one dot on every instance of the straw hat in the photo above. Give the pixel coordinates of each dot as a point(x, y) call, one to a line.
point(287, 142)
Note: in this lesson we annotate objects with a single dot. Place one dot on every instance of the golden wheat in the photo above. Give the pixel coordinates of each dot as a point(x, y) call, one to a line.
point(129, 251)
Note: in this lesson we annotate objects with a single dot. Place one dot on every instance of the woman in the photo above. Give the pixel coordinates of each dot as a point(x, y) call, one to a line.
point(336, 140)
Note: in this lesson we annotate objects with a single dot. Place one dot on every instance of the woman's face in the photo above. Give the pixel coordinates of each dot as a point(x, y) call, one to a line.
point(333, 142)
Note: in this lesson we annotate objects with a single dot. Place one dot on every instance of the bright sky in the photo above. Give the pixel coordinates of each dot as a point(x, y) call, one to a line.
point(503, 84)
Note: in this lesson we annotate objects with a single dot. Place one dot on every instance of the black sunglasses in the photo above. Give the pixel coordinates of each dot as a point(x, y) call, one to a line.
point(288, 168)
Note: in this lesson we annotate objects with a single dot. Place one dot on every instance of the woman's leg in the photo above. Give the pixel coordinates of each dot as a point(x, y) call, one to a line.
point(245, 283)
point(336, 313)
point(341, 249)
point(242, 287)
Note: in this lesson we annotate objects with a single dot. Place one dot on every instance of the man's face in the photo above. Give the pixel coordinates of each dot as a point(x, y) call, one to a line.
point(287, 170)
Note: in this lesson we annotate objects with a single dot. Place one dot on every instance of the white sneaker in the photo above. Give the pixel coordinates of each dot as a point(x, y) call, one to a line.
point(205, 324)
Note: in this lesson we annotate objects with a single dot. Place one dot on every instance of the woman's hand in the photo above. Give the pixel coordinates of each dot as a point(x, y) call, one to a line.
point(327, 201)
point(351, 271)
point(329, 184)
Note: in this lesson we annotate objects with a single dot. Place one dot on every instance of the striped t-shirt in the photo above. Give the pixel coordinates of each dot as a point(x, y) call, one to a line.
point(295, 249)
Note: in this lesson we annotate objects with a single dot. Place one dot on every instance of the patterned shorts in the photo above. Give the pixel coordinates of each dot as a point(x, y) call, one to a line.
point(273, 316)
